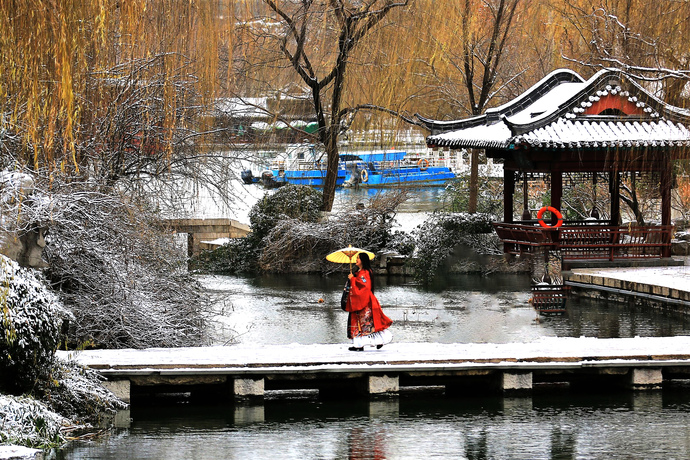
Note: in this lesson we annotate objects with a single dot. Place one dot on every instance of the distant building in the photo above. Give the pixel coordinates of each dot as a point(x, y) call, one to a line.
point(265, 119)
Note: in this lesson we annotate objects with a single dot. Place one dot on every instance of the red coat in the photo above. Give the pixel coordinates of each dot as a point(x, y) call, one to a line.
point(359, 301)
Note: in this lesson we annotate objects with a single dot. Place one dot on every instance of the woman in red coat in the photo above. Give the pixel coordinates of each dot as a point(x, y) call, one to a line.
point(366, 324)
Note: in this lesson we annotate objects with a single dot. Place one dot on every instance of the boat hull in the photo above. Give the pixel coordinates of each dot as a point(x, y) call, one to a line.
point(406, 176)
point(394, 177)
point(312, 177)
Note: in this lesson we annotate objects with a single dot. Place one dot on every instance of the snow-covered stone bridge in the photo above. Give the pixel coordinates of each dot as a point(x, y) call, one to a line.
point(249, 371)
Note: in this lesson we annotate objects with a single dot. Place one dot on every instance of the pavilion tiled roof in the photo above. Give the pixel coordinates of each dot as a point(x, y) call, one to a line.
point(565, 111)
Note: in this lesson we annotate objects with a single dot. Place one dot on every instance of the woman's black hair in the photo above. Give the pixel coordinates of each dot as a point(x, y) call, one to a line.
point(366, 265)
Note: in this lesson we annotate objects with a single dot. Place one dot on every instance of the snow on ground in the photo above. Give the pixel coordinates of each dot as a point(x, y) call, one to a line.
point(549, 348)
point(672, 277)
point(14, 452)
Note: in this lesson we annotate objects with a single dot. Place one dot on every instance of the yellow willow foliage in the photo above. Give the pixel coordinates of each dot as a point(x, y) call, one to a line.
point(412, 62)
point(59, 57)
point(636, 31)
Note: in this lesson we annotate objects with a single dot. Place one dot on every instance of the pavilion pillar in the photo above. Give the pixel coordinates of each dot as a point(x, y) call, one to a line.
point(556, 193)
point(666, 184)
point(615, 187)
point(508, 192)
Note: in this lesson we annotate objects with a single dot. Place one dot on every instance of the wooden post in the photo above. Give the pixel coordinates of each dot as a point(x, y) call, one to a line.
point(190, 245)
point(474, 181)
point(666, 184)
point(614, 185)
point(526, 215)
point(508, 191)
point(556, 193)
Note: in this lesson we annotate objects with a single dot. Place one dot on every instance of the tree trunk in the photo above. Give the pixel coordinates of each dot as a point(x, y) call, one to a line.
point(332, 155)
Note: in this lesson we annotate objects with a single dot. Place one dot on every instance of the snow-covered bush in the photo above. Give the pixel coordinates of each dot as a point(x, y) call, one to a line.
point(438, 236)
point(27, 422)
point(289, 202)
point(71, 401)
point(298, 203)
point(293, 245)
point(75, 391)
point(120, 273)
point(30, 317)
point(288, 233)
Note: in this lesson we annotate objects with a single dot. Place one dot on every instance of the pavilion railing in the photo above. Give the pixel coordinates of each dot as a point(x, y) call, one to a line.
point(588, 242)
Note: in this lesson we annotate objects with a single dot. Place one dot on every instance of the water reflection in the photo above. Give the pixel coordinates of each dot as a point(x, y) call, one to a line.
point(546, 426)
point(464, 309)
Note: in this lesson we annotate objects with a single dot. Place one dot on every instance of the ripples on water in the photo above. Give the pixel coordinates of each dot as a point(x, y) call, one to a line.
point(468, 309)
point(632, 425)
point(286, 309)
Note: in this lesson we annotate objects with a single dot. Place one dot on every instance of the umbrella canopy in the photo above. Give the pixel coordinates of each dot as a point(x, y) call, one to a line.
point(347, 255)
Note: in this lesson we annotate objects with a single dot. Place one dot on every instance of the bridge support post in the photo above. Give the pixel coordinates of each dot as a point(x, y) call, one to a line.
point(516, 381)
point(383, 384)
point(120, 388)
point(248, 388)
point(645, 378)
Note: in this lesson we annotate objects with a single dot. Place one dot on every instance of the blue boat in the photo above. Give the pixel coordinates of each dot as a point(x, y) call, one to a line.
point(374, 169)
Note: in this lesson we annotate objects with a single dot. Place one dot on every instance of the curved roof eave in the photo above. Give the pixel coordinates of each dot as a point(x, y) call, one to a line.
point(601, 80)
point(550, 81)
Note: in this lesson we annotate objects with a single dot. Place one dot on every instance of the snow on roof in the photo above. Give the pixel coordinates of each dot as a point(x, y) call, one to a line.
point(483, 136)
point(241, 107)
point(560, 75)
point(554, 114)
point(546, 105)
point(583, 133)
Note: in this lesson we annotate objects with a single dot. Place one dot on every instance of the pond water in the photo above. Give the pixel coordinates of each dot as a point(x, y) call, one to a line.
point(547, 425)
point(624, 426)
point(464, 309)
point(306, 309)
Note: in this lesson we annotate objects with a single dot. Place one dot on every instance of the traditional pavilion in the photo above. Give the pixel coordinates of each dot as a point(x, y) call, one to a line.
point(600, 128)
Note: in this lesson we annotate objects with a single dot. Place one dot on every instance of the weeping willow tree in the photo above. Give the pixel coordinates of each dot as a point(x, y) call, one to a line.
point(93, 95)
point(103, 87)
point(650, 41)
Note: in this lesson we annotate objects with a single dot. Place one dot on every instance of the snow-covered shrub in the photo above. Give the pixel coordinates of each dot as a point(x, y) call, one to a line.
point(119, 272)
point(438, 236)
point(27, 422)
point(293, 245)
point(30, 319)
point(75, 391)
point(402, 242)
point(289, 202)
point(237, 256)
point(298, 203)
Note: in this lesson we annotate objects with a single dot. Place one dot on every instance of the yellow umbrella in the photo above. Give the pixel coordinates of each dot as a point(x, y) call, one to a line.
point(347, 255)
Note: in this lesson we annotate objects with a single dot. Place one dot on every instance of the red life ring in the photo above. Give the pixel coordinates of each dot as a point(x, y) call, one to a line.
point(555, 212)
point(423, 164)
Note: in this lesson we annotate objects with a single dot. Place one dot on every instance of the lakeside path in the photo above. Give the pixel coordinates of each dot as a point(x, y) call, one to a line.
point(548, 349)
point(638, 363)
point(663, 284)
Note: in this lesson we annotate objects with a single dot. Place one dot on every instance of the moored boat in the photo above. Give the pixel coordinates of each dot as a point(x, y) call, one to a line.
point(372, 169)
